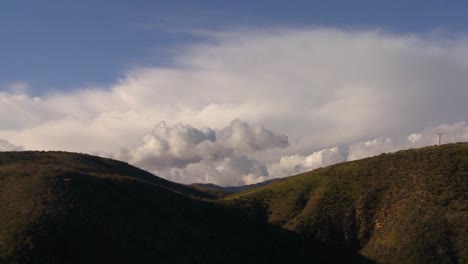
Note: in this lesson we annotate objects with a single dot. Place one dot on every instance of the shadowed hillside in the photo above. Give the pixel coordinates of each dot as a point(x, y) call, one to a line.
point(406, 207)
point(110, 212)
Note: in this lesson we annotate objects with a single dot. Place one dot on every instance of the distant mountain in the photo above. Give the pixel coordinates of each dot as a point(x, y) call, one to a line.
point(406, 207)
point(221, 191)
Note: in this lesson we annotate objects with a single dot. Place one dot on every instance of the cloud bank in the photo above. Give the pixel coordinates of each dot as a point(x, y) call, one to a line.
point(230, 156)
point(7, 146)
point(225, 156)
point(321, 87)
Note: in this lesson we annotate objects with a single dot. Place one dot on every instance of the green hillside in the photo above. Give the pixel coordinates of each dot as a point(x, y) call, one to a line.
point(406, 207)
point(111, 212)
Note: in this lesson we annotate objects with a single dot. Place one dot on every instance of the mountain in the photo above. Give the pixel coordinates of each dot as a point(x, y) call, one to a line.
point(222, 191)
point(58, 207)
point(406, 207)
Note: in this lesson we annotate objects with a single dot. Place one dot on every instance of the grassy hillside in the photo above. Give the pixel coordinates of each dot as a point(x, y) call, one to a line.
point(406, 207)
point(110, 212)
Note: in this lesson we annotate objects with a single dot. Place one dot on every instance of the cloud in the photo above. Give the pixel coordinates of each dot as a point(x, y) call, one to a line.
point(230, 157)
point(174, 146)
point(234, 170)
point(311, 84)
point(7, 146)
point(295, 164)
point(187, 154)
point(457, 132)
point(320, 86)
point(243, 138)
point(370, 148)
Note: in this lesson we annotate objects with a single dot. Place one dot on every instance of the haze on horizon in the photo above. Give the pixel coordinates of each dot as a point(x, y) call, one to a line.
point(263, 93)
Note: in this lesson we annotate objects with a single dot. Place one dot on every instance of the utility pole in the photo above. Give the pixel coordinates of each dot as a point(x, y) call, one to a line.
point(440, 137)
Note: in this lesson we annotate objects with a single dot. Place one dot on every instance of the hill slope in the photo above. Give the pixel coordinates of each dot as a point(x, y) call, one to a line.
point(406, 207)
point(111, 212)
point(223, 191)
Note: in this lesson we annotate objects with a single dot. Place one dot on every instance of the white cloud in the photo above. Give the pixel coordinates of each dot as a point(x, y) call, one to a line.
point(457, 132)
point(243, 138)
point(320, 86)
point(370, 148)
point(7, 146)
point(187, 154)
point(173, 146)
point(295, 164)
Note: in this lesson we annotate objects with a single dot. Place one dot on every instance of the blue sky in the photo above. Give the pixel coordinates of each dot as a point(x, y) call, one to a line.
point(62, 45)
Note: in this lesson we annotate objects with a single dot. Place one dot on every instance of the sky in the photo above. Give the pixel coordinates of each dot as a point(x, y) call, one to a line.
point(232, 92)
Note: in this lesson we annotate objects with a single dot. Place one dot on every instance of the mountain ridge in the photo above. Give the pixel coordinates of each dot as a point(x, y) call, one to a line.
point(222, 191)
point(405, 207)
point(383, 206)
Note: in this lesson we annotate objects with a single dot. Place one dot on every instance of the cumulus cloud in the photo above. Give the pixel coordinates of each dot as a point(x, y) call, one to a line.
point(174, 146)
point(320, 86)
point(7, 146)
point(235, 170)
point(457, 132)
point(243, 138)
point(187, 154)
point(311, 84)
point(295, 164)
point(370, 148)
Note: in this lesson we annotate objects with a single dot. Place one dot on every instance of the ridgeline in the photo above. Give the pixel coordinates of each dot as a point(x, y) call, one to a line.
point(406, 207)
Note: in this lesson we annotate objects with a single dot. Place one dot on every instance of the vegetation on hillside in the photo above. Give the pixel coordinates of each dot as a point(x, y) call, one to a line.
point(223, 191)
point(58, 207)
point(406, 207)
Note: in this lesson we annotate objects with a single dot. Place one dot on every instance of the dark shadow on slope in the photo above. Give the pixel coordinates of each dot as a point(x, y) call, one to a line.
point(113, 219)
